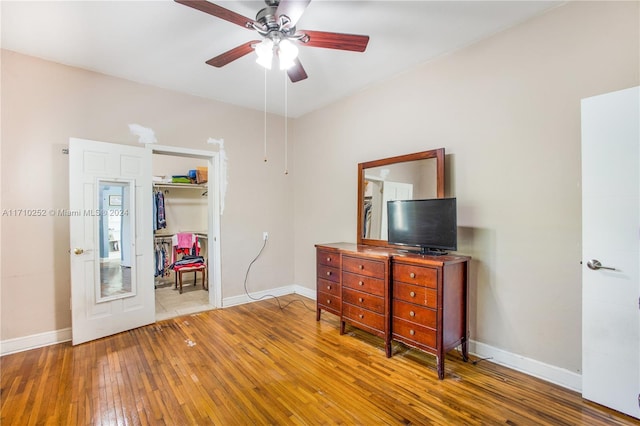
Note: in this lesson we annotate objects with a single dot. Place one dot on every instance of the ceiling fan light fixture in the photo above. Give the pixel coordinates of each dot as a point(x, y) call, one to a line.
point(264, 50)
point(287, 53)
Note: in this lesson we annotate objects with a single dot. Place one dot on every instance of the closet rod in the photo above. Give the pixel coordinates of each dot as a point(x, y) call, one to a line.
point(180, 185)
point(198, 234)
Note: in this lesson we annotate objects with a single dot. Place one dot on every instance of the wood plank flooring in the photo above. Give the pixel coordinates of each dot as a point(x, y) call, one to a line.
point(258, 364)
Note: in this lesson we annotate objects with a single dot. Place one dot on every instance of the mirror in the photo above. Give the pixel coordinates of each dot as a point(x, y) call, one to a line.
point(115, 235)
point(412, 176)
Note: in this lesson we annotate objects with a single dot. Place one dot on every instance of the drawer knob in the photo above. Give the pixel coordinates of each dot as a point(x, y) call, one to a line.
point(361, 316)
point(360, 266)
point(360, 283)
point(360, 299)
point(328, 259)
point(412, 332)
point(412, 294)
point(412, 275)
point(328, 273)
point(328, 287)
point(411, 313)
point(328, 301)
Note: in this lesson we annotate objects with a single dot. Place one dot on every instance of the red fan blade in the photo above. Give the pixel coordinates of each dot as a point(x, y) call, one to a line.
point(292, 9)
point(233, 54)
point(352, 42)
point(296, 72)
point(218, 11)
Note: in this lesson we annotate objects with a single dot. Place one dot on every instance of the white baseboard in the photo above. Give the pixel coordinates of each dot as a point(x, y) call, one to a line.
point(34, 341)
point(559, 376)
point(304, 291)
point(262, 295)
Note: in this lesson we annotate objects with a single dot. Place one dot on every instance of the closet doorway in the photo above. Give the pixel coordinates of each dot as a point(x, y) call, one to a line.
point(186, 228)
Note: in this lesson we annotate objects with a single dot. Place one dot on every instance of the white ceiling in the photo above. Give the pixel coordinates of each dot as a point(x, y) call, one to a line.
point(166, 44)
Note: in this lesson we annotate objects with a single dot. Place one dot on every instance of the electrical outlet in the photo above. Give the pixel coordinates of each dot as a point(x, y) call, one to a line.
point(265, 235)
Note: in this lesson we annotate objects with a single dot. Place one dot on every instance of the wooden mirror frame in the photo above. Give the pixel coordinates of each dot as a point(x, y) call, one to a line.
point(438, 154)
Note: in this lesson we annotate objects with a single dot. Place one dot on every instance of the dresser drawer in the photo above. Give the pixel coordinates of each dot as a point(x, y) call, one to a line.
point(417, 275)
point(415, 313)
point(329, 287)
point(329, 302)
point(328, 258)
point(362, 283)
point(328, 273)
point(363, 316)
point(416, 333)
point(415, 294)
point(364, 300)
point(362, 266)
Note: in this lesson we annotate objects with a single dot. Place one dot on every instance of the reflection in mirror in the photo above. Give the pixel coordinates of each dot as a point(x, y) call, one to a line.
point(403, 181)
point(412, 176)
point(115, 235)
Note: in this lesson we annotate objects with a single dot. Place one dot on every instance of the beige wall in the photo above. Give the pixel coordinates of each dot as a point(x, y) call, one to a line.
point(43, 104)
point(507, 111)
point(185, 208)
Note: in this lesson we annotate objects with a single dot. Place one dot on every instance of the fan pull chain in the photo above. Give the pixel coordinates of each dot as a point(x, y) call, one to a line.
point(286, 131)
point(265, 115)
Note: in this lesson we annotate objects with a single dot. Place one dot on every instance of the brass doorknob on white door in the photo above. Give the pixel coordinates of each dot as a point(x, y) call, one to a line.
point(78, 251)
point(595, 265)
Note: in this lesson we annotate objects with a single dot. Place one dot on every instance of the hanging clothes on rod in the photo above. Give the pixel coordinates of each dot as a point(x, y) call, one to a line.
point(159, 216)
point(162, 257)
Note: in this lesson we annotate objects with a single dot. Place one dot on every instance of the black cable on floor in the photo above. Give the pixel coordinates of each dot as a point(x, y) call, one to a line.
point(246, 277)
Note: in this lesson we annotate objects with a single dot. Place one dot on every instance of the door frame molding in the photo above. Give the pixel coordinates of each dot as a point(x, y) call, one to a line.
point(214, 277)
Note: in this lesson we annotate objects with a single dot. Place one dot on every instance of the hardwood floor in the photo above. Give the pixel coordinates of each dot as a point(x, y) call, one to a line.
point(257, 364)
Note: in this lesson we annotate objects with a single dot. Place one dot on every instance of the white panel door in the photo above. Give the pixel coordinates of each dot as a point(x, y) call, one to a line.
point(108, 295)
point(393, 191)
point(611, 239)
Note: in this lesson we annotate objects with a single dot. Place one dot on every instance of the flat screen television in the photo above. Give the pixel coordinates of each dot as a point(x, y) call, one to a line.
point(430, 225)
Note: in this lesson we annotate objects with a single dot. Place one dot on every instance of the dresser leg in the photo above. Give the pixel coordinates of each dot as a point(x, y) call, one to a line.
point(440, 361)
point(318, 314)
point(342, 327)
point(388, 349)
point(465, 350)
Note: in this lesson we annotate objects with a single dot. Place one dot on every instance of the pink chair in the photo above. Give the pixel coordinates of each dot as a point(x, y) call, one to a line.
point(179, 270)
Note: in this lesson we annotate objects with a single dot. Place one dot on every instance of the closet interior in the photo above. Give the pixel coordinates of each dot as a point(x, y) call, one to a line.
point(180, 217)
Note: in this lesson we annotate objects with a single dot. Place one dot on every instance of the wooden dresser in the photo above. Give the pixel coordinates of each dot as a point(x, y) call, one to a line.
point(415, 299)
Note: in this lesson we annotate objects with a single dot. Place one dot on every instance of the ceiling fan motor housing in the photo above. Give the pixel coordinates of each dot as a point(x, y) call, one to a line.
point(271, 22)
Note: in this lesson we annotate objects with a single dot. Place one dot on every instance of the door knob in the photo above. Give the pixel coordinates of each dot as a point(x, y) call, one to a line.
point(595, 265)
point(78, 251)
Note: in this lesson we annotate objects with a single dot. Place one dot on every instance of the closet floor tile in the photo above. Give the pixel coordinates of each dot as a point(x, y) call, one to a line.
point(170, 303)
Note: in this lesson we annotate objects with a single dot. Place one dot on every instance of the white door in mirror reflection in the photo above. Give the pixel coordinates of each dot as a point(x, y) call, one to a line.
point(375, 210)
point(115, 232)
point(393, 191)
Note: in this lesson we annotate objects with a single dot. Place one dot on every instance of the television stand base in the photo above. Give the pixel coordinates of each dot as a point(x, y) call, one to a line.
point(432, 252)
point(426, 252)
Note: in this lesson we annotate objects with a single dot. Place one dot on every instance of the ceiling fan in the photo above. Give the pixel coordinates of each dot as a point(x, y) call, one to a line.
point(276, 23)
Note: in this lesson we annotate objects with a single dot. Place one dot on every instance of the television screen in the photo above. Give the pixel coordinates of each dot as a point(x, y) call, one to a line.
point(428, 224)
